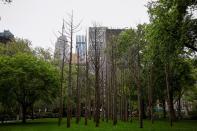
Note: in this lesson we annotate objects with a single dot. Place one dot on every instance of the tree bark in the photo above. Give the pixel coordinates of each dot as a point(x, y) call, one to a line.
point(170, 96)
point(72, 28)
point(131, 110)
point(87, 108)
point(62, 80)
point(69, 110)
point(24, 111)
point(150, 95)
point(126, 109)
point(78, 111)
point(107, 95)
point(139, 90)
point(103, 94)
point(114, 85)
point(32, 112)
point(164, 108)
point(97, 91)
point(179, 105)
point(140, 107)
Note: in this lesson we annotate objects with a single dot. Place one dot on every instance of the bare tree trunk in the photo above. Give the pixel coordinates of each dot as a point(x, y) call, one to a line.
point(114, 87)
point(120, 106)
point(97, 99)
point(107, 95)
point(103, 94)
point(78, 111)
point(131, 110)
point(62, 79)
point(121, 97)
point(126, 109)
point(71, 30)
point(110, 98)
point(179, 105)
point(87, 88)
point(97, 76)
point(140, 106)
point(170, 96)
point(24, 111)
point(90, 107)
point(139, 88)
point(97, 36)
point(164, 108)
point(94, 109)
point(150, 95)
point(69, 112)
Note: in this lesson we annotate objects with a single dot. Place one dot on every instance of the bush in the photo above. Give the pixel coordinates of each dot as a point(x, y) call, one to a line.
point(193, 115)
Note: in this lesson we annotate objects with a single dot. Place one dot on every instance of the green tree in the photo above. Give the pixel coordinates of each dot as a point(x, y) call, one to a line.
point(28, 80)
point(168, 33)
point(16, 46)
point(131, 44)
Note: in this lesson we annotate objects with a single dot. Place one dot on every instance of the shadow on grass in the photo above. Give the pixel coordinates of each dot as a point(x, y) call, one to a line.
point(32, 122)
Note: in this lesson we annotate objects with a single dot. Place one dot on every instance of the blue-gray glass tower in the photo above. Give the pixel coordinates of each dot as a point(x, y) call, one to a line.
point(81, 47)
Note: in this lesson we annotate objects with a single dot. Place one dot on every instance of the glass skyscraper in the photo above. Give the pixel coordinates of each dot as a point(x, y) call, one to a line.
point(81, 47)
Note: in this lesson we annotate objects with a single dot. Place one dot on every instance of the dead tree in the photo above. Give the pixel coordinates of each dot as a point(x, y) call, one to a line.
point(113, 79)
point(87, 96)
point(107, 94)
point(78, 111)
point(71, 28)
point(96, 35)
point(62, 77)
point(102, 94)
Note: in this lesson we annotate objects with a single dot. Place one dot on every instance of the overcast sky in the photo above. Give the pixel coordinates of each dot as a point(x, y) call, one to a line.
point(39, 20)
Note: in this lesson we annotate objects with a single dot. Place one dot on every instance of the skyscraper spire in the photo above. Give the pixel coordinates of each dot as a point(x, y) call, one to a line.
point(63, 28)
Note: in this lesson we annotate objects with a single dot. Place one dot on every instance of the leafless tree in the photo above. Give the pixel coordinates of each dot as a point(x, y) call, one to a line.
point(96, 39)
point(62, 78)
point(71, 28)
point(78, 111)
point(112, 50)
point(87, 97)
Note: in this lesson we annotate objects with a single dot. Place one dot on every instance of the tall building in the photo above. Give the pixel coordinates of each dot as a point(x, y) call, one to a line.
point(96, 35)
point(6, 36)
point(81, 47)
point(60, 46)
point(103, 40)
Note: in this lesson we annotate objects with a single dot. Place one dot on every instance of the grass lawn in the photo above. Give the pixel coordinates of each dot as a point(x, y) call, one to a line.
point(51, 125)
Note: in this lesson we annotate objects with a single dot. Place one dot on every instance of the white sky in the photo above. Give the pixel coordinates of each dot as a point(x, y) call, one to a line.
point(39, 20)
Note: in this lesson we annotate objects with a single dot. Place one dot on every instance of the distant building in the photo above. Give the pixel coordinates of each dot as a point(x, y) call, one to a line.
point(6, 36)
point(98, 34)
point(103, 39)
point(81, 47)
point(59, 49)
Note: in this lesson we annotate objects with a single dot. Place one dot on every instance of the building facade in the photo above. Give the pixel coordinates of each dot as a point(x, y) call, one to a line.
point(61, 45)
point(81, 47)
point(103, 42)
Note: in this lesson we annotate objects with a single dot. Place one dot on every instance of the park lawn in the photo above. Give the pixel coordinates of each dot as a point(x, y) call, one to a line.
point(51, 125)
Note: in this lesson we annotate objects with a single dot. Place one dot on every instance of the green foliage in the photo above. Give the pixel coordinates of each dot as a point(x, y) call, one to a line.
point(26, 79)
point(16, 46)
point(167, 35)
point(41, 53)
